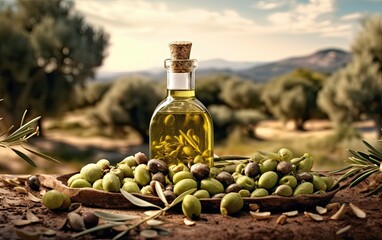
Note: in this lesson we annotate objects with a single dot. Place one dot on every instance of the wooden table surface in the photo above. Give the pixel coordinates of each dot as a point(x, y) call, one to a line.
point(15, 206)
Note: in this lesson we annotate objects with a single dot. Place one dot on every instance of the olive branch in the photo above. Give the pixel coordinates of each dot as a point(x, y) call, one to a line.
point(125, 223)
point(361, 166)
point(20, 136)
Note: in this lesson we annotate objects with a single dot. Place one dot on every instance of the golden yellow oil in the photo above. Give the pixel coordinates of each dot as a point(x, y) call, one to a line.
point(185, 137)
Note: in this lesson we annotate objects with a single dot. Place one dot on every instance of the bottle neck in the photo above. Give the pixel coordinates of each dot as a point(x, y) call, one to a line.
point(180, 77)
point(181, 85)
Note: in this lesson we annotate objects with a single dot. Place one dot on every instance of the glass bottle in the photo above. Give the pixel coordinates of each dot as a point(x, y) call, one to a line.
point(181, 129)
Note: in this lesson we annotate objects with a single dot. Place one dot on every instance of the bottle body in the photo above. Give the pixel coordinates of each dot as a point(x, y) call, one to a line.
point(181, 129)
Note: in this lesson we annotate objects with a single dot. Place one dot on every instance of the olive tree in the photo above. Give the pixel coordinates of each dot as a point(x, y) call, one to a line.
point(46, 50)
point(128, 102)
point(227, 120)
point(292, 96)
point(355, 90)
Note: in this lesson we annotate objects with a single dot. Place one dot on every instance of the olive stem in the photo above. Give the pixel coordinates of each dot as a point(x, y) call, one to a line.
point(153, 216)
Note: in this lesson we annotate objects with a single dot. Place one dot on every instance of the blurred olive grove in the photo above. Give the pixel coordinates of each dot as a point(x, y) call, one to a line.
point(46, 51)
point(48, 54)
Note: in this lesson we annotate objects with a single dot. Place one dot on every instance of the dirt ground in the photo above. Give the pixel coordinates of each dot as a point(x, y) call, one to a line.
point(212, 225)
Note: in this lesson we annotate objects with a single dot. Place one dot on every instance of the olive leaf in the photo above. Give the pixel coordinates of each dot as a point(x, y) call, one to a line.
point(20, 136)
point(97, 228)
point(24, 157)
point(361, 177)
point(362, 166)
point(181, 196)
point(114, 217)
point(159, 191)
point(137, 201)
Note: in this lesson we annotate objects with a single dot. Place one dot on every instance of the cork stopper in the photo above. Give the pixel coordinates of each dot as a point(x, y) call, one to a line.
point(180, 50)
point(180, 57)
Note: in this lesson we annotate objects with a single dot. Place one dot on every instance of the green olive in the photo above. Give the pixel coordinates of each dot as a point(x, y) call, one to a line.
point(98, 184)
point(285, 154)
point(268, 165)
point(246, 182)
point(184, 185)
point(130, 160)
point(131, 187)
point(306, 164)
point(74, 177)
point(52, 199)
point(244, 193)
point(182, 175)
point(284, 190)
point(66, 203)
point(103, 164)
point(111, 182)
point(268, 180)
point(126, 170)
point(231, 203)
point(259, 192)
point(202, 194)
point(142, 175)
point(288, 180)
point(212, 185)
point(191, 207)
point(80, 183)
point(328, 181)
point(319, 183)
point(303, 188)
point(91, 172)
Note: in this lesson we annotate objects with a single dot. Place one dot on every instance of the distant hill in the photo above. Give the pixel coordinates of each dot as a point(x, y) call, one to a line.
point(325, 61)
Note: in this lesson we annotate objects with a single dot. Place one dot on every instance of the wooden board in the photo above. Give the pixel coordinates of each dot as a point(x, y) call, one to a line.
point(102, 199)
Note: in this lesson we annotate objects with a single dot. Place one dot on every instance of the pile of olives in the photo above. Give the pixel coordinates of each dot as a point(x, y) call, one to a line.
point(261, 175)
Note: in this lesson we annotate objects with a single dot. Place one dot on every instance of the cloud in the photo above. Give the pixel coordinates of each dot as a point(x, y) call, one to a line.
point(267, 5)
point(138, 27)
point(315, 16)
point(352, 16)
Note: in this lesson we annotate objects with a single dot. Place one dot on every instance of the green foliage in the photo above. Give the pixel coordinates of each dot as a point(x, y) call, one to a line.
point(293, 96)
point(239, 93)
point(128, 102)
point(89, 95)
point(209, 88)
point(226, 120)
point(46, 50)
point(355, 90)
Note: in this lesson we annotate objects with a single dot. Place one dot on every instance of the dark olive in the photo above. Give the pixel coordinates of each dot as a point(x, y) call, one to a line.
point(90, 219)
point(169, 187)
point(234, 187)
point(170, 195)
point(159, 176)
point(284, 168)
point(218, 195)
point(140, 158)
point(304, 176)
point(155, 165)
point(225, 178)
point(34, 183)
point(200, 171)
point(252, 169)
point(153, 189)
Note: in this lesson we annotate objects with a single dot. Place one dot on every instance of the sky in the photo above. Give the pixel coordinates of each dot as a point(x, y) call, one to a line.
point(234, 30)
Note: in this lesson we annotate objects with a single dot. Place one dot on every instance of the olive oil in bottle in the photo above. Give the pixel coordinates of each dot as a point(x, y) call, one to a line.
point(181, 129)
